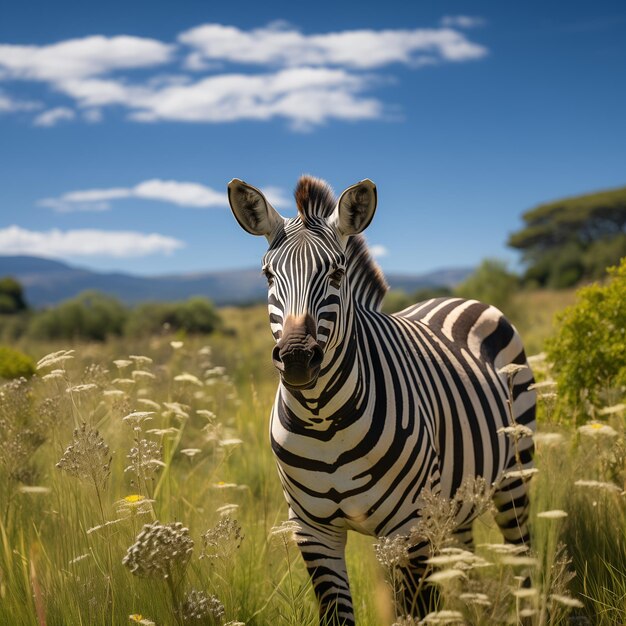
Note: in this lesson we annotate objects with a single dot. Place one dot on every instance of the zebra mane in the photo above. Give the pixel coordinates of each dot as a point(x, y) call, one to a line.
point(316, 199)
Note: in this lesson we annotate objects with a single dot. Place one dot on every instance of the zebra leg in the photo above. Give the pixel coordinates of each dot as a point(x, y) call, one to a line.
point(323, 551)
point(511, 500)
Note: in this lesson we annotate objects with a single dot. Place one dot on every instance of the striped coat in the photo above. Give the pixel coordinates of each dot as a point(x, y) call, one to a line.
point(373, 408)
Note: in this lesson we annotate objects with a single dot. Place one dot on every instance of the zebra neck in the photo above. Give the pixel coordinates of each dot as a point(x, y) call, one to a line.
point(340, 394)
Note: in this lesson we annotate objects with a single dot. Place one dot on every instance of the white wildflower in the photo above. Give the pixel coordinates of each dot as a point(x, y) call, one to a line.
point(139, 359)
point(445, 575)
point(163, 432)
point(516, 431)
point(512, 369)
point(610, 410)
point(190, 452)
point(481, 599)
point(149, 403)
point(555, 514)
point(177, 345)
point(597, 429)
point(137, 374)
point(229, 443)
point(33, 489)
point(124, 382)
point(567, 601)
point(227, 509)
point(122, 363)
point(444, 617)
point(521, 473)
point(54, 375)
point(596, 484)
point(54, 358)
point(185, 377)
point(113, 393)
point(209, 415)
point(138, 417)
point(502, 548)
point(81, 388)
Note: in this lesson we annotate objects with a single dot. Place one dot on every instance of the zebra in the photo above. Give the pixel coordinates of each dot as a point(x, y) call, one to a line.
point(373, 408)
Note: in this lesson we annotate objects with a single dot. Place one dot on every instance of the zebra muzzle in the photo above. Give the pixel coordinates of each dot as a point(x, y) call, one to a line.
point(297, 356)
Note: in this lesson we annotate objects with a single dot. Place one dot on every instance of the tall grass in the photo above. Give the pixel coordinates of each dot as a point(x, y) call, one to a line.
point(200, 456)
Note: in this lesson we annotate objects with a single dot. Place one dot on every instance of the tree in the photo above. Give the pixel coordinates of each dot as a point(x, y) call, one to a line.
point(11, 296)
point(570, 239)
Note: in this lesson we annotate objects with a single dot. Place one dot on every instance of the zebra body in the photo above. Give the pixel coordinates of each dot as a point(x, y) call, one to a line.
point(373, 408)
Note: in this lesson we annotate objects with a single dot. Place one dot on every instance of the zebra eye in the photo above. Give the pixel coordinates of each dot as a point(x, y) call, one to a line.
point(336, 276)
point(268, 275)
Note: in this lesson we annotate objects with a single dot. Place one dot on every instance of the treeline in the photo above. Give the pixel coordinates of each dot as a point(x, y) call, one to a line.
point(96, 316)
point(572, 240)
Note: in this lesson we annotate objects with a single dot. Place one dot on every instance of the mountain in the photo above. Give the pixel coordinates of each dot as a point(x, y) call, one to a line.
point(47, 282)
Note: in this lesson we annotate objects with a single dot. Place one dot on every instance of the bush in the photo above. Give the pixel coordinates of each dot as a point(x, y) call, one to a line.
point(589, 350)
point(491, 283)
point(90, 315)
point(15, 364)
point(195, 316)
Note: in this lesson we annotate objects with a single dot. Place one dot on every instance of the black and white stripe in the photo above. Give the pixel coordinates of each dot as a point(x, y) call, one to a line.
point(400, 401)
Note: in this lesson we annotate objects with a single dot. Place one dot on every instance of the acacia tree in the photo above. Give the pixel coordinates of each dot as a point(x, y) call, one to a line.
point(574, 238)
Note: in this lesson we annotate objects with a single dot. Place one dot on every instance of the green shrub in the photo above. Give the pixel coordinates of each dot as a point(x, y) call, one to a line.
point(11, 296)
point(195, 316)
point(589, 349)
point(90, 315)
point(491, 283)
point(15, 364)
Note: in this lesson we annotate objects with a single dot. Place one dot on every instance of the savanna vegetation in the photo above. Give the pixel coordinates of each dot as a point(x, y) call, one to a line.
point(137, 483)
point(137, 486)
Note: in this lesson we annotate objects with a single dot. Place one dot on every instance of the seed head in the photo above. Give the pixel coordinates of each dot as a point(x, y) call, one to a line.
point(392, 552)
point(160, 550)
point(198, 606)
point(87, 457)
point(145, 458)
point(223, 539)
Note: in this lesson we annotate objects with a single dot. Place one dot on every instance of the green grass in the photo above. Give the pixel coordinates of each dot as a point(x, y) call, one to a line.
point(55, 569)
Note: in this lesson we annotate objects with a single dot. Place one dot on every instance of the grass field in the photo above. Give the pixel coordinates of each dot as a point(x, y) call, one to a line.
point(110, 437)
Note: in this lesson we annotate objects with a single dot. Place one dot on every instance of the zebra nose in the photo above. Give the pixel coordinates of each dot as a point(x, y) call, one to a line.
point(297, 361)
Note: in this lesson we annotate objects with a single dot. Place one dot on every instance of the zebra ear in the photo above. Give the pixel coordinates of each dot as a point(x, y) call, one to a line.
point(252, 210)
point(355, 208)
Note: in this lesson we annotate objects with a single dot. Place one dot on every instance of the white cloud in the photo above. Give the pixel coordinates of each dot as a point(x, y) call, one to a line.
point(306, 96)
point(87, 242)
point(81, 58)
point(320, 77)
point(183, 194)
point(378, 250)
point(52, 116)
point(361, 49)
point(172, 191)
point(462, 21)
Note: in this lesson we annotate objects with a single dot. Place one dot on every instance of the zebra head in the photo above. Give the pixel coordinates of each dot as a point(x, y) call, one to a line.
point(306, 268)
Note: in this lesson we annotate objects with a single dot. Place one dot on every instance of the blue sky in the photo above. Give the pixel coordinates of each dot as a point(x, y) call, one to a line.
point(122, 122)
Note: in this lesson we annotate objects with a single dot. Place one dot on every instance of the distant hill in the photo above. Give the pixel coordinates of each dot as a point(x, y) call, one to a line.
point(47, 282)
